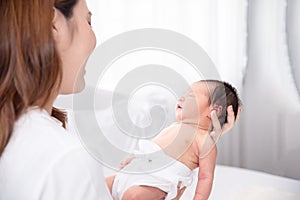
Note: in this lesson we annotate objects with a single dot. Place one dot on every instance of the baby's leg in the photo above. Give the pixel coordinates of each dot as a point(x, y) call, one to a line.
point(143, 193)
point(109, 182)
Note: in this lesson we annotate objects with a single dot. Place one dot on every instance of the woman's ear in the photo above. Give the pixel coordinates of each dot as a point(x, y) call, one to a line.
point(55, 20)
point(58, 22)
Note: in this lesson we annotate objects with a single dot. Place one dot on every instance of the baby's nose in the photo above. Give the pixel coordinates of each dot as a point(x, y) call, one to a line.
point(181, 99)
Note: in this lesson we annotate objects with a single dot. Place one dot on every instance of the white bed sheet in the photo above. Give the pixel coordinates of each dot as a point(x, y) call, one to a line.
point(232, 183)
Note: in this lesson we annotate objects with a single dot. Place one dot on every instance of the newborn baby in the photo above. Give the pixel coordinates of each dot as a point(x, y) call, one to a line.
point(186, 144)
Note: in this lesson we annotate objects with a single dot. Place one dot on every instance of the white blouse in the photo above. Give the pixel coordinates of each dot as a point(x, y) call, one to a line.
point(44, 161)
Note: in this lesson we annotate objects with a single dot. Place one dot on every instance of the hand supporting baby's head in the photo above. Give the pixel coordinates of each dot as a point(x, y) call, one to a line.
point(223, 95)
point(204, 96)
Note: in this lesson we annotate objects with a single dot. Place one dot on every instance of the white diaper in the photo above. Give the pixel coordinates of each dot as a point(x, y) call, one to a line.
point(166, 178)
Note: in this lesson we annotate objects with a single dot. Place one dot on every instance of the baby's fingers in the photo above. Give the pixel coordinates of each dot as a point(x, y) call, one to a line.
point(180, 191)
point(125, 162)
point(239, 113)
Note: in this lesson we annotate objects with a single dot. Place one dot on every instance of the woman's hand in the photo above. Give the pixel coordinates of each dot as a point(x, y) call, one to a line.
point(230, 119)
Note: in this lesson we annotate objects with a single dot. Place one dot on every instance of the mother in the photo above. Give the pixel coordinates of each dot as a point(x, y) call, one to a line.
point(44, 45)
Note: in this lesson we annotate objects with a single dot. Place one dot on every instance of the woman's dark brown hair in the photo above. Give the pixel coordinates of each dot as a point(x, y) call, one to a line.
point(30, 67)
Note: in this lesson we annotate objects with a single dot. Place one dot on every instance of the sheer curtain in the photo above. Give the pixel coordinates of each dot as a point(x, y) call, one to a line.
point(217, 26)
point(270, 133)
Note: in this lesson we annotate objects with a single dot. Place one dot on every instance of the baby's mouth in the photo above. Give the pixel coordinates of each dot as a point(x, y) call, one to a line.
point(178, 106)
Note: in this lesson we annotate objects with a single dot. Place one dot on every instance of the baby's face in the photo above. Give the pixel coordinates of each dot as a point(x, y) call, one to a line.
point(193, 106)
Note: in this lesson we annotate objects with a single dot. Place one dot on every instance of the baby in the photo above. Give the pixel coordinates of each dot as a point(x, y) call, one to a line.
point(188, 143)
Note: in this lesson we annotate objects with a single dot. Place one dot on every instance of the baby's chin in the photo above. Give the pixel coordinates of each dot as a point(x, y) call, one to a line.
point(178, 116)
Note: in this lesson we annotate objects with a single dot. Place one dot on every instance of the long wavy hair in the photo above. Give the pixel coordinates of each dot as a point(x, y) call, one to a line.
point(30, 66)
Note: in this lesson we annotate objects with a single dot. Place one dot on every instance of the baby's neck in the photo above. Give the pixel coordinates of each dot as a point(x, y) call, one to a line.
point(199, 127)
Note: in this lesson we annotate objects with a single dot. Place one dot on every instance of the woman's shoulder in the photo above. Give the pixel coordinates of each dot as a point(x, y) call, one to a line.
point(52, 158)
point(42, 140)
point(37, 134)
point(36, 118)
point(38, 125)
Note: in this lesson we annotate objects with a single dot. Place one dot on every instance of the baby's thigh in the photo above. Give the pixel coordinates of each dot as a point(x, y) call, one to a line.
point(143, 193)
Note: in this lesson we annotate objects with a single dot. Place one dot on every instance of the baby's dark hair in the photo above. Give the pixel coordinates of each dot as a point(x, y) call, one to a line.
point(223, 94)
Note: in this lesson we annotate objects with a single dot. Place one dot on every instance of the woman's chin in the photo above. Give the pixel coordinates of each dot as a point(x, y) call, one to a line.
point(73, 90)
point(79, 87)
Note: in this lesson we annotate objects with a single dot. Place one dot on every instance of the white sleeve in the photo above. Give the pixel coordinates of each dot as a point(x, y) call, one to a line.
point(74, 175)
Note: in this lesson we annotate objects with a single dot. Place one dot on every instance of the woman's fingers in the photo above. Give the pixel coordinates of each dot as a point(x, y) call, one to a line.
point(216, 123)
point(239, 113)
point(231, 120)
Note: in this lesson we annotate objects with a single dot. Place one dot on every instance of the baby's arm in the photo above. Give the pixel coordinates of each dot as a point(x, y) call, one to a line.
point(206, 175)
point(207, 164)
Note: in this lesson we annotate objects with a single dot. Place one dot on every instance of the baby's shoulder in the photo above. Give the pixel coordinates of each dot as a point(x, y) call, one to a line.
point(200, 139)
point(205, 144)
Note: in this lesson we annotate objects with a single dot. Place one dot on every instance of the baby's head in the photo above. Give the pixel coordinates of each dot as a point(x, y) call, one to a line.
point(204, 96)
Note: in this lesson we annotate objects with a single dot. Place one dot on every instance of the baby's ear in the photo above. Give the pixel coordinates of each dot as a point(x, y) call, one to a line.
point(218, 109)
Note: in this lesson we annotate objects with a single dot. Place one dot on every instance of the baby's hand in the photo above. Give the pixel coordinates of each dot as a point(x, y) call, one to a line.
point(180, 191)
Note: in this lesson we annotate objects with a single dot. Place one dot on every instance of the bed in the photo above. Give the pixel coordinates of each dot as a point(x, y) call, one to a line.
point(232, 183)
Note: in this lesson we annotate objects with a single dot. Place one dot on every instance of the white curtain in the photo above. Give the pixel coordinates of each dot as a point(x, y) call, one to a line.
point(293, 39)
point(218, 26)
point(270, 133)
